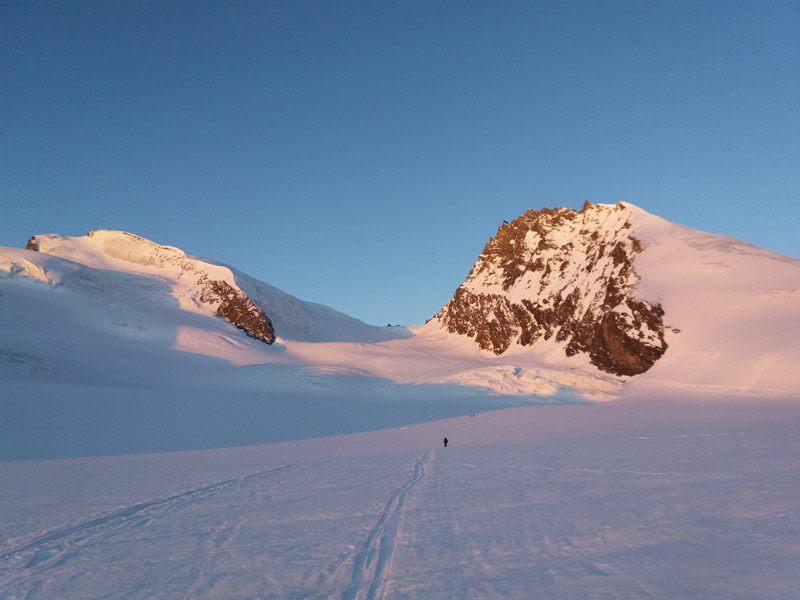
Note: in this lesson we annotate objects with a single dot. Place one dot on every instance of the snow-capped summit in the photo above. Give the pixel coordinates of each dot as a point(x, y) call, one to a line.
point(634, 293)
point(197, 283)
point(565, 275)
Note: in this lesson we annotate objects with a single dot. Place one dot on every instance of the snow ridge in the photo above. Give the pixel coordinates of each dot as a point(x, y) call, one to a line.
point(196, 282)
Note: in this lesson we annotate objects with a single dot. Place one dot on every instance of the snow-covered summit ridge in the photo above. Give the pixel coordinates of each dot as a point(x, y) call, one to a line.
point(565, 275)
point(199, 284)
point(632, 292)
point(123, 251)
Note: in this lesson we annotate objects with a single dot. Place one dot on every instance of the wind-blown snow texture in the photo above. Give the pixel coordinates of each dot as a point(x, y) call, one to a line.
point(686, 486)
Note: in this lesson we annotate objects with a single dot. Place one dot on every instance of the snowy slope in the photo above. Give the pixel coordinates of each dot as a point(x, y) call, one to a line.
point(126, 253)
point(734, 309)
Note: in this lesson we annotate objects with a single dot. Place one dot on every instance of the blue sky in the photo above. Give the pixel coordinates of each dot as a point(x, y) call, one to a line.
point(360, 154)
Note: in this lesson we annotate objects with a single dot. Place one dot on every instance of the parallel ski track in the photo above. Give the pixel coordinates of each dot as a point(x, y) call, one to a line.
point(84, 529)
point(373, 564)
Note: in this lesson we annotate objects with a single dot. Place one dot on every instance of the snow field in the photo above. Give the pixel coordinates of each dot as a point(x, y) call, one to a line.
point(602, 501)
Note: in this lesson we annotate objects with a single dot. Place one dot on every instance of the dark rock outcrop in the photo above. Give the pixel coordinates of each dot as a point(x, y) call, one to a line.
point(563, 275)
point(236, 307)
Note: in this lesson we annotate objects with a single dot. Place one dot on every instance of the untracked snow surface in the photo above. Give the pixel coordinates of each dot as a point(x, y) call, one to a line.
point(604, 501)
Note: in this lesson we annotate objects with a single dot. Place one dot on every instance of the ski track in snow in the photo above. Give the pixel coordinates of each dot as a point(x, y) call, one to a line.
point(373, 565)
point(54, 548)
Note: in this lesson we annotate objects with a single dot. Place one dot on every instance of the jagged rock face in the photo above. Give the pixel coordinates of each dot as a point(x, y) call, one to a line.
point(564, 275)
point(236, 307)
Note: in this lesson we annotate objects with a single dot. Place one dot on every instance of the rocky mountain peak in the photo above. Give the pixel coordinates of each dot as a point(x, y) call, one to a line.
point(564, 275)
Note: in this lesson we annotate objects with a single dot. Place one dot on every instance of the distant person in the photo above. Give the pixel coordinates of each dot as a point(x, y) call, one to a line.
point(445, 442)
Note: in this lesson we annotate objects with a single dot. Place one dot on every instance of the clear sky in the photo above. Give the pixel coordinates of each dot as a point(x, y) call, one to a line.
point(360, 154)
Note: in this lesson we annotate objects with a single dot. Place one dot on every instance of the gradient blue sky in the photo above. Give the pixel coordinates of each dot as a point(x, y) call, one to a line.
point(360, 154)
